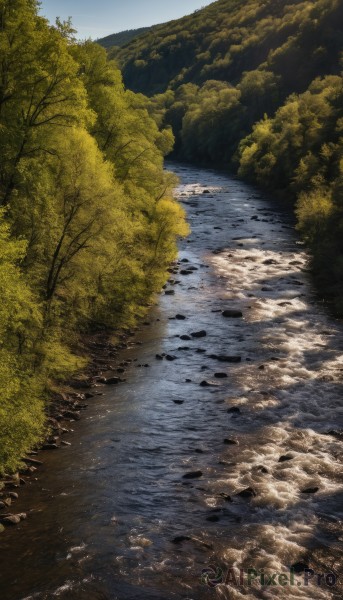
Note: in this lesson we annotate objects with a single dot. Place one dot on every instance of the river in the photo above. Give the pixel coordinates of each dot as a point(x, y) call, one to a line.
point(113, 517)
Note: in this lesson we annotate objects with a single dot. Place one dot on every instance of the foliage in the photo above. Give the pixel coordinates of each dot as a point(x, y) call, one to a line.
point(88, 225)
point(257, 86)
point(121, 38)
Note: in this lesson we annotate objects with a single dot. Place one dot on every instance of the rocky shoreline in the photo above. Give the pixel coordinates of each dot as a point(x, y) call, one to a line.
point(103, 349)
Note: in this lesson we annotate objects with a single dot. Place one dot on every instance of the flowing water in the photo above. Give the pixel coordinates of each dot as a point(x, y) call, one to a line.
point(107, 513)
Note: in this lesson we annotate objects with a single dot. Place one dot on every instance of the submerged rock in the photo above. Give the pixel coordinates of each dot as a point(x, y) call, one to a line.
point(213, 519)
point(181, 538)
point(226, 358)
point(193, 475)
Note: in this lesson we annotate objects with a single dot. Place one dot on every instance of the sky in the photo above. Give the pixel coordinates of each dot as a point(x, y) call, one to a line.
point(98, 18)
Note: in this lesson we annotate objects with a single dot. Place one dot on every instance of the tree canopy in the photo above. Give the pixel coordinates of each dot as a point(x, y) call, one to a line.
point(256, 86)
point(88, 223)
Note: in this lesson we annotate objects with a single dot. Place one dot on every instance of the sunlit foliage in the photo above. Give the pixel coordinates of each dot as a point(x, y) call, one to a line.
point(88, 224)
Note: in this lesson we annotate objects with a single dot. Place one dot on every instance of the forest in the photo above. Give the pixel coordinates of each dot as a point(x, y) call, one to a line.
point(256, 87)
point(122, 38)
point(88, 224)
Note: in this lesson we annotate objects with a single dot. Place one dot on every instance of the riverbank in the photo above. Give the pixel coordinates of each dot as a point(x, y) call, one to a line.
point(102, 350)
point(217, 449)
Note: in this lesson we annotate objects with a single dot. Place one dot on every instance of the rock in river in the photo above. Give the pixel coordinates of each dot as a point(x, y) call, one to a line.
point(199, 334)
point(312, 490)
point(247, 493)
point(232, 314)
point(193, 475)
point(114, 380)
point(225, 358)
point(181, 538)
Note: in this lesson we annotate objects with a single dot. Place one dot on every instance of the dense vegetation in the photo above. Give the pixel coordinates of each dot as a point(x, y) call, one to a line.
point(87, 221)
point(257, 85)
point(122, 37)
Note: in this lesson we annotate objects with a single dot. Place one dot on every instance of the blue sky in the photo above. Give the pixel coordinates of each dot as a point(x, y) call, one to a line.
point(97, 18)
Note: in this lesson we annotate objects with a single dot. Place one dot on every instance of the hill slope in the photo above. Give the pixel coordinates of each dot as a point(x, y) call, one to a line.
point(296, 39)
point(257, 84)
point(122, 37)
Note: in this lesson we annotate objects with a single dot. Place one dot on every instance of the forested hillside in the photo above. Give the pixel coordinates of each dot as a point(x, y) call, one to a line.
point(256, 85)
point(88, 224)
point(122, 37)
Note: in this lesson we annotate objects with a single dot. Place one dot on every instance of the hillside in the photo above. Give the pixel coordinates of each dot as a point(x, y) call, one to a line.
point(296, 40)
point(122, 37)
point(256, 86)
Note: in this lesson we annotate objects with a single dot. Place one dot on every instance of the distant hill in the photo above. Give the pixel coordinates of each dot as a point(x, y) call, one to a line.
point(296, 39)
point(121, 38)
point(257, 85)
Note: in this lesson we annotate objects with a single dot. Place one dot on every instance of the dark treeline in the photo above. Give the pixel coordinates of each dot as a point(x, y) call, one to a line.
point(256, 85)
point(88, 225)
point(121, 38)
